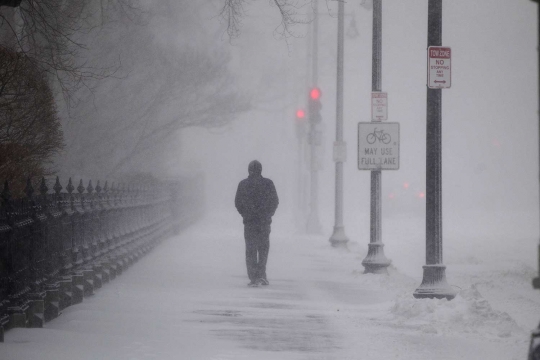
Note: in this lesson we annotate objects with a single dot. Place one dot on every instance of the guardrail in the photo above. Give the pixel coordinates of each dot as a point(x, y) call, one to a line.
point(57, 247)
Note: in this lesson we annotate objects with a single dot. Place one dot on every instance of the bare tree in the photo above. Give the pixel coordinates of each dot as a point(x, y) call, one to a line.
point(126, 89)
point(52, 31)
point(30, 131)
point(292, 12)
point(164, 85)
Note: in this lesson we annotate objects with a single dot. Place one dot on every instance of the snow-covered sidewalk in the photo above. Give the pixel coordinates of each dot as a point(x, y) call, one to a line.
point(188, 299)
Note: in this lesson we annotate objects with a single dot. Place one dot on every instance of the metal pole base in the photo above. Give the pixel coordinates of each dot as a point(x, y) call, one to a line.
point(434, 284)
point(375, 261)
point(534, 345)
point(338, 238)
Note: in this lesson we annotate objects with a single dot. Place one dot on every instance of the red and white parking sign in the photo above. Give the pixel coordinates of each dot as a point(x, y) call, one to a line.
point(439, 67)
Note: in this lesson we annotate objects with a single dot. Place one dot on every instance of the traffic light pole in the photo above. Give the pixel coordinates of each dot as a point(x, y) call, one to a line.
point(300, 124)
point(313, 223)
point(339, 238)
point(434, 283)
point(375, 261)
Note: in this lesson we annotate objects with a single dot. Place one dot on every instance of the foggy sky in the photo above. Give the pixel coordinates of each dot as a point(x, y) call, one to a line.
point(490, 120)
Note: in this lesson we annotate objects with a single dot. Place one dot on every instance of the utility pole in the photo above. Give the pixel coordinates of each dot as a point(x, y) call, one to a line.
point(313, 223)
point(339, 238)
point(534, 346)
point(375, 261)
point(536, 281)
point(305, 150)
point(301, 132)
point(434, 283)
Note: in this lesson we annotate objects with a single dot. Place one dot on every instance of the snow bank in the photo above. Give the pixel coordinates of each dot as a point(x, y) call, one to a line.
point(468, 313)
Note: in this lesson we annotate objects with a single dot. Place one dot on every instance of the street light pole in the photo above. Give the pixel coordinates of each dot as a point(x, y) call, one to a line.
point(313, 223)
point(339, 238)
point(300, 125)
point(536, 281)
point(375, 261)
point(434, 283)
point(534, 346)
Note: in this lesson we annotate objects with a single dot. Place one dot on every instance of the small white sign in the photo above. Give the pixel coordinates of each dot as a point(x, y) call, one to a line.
point(378, 146)
point(439, 67)
point(379, 106)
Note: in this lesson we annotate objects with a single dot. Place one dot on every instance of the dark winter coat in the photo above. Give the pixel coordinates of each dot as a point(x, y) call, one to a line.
point(256, 198)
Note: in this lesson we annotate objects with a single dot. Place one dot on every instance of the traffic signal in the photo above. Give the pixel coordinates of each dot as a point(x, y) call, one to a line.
point(314, 105)
point(315, 93)
point(300, 123)
point(300, 114)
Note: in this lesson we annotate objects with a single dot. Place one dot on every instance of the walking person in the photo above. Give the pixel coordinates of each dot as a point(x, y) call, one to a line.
point(256, 200)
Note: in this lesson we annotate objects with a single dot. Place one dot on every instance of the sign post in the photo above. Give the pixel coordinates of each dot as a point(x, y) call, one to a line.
point(375, 261)
point(434, 284)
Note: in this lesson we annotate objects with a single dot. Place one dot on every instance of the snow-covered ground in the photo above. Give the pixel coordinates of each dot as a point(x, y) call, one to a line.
point(188, 298)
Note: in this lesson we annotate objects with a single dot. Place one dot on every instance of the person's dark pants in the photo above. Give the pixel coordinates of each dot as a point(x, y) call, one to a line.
point(257, 245)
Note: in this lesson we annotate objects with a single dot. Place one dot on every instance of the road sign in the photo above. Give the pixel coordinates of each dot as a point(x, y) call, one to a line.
point(378, 146)
point(379, 106)
point(439, 67)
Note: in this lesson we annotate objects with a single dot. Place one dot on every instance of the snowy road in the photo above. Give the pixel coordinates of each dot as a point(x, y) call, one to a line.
point(188, 299)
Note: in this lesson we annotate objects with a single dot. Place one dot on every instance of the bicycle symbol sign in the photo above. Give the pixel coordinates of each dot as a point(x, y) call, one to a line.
point(378, 146)
point(378, 136)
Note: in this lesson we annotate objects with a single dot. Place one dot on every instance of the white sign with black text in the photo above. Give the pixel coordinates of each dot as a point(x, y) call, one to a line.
point(379, 106)
point(378, 146)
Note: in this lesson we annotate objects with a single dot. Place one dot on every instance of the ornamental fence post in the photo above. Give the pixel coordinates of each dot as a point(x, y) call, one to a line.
point(19, 260)
point(53, 243)
point(33, 225)
point(6, 233)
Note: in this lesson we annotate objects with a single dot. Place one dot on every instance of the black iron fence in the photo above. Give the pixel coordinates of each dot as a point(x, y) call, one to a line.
point(58, 246)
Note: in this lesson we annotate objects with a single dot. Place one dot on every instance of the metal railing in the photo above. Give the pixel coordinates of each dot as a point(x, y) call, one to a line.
point(56, 247)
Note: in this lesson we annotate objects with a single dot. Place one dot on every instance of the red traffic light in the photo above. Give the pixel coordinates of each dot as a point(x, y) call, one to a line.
point(300, 114)
point(315, 93)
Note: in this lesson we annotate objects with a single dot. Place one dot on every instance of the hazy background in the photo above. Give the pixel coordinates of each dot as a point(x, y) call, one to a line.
point(490, 119)
point(186, 97)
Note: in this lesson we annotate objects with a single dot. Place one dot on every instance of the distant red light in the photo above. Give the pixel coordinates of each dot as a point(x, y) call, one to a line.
point(315, 93)
point(406, 185)
point(421, 195)
point(391, 195)
point(300, 114)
